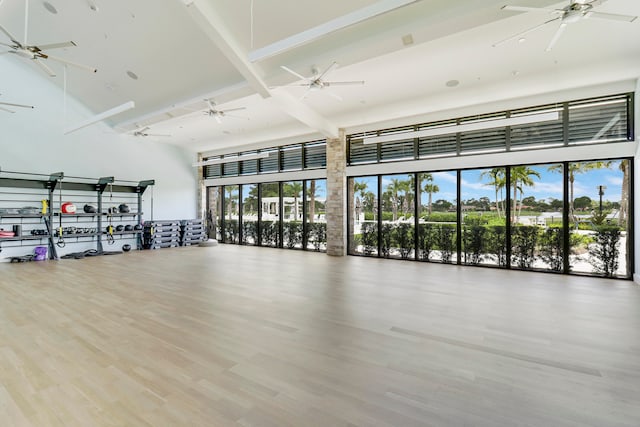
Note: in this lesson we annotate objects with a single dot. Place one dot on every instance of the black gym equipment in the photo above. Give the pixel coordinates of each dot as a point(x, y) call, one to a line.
point(90, 209)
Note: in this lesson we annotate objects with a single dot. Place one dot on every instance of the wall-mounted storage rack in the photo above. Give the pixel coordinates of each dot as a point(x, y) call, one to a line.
point(30, 209)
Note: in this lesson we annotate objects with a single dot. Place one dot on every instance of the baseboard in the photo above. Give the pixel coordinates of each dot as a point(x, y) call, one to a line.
point(636, 279)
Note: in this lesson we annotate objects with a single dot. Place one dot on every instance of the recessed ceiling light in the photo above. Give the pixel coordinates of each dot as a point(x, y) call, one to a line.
point(522, 40)
point(50, 7)
point(133, 75)
point(515, 72)
point(92, 5)
point(407, 39)
point(452, 83)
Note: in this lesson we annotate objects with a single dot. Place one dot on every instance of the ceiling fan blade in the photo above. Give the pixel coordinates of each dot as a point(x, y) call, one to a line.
point(236, 117)
point(556, 36)
point(234, 109)
point(16, 105)
point(11, 37)
point(75, 64)
point(7, 110)
point(333, 65)
point(7, 45)
point(162, 135)
point(56, 45)
point(611, 16)
point(218, 118)
point(522, 33)
point(211, 104)
point(45, 67)
point(355, 82)
point(290, 71)
point(528, 9)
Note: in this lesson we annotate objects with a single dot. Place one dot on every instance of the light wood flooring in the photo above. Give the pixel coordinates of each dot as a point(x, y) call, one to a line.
point(243, 336)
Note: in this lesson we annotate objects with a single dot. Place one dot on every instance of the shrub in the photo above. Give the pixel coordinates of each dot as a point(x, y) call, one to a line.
point(496, 243)
point(403, 239)
point(473, 243)
point(446, 241)
point(369, 237)
point(551, 242)
point(426, 241)
point(604, 252)
point(318, 234)
point(250, 232)
point(292, 234)
point(523, 242)
point(385, 239)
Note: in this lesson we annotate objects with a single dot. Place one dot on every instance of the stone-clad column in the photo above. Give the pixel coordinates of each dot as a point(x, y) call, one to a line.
point(336, 195)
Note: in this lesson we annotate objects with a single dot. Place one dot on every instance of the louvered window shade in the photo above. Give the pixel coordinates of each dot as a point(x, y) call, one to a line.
point(543, 134)
point(397, 150)
point(291, 157)
point(437, 145)
point(212, 171)
point(248, 167)
point(269, 164)
point(230, 169)
point(483, 140)
point(361, 153)
point(315, 155)
point(604, 119)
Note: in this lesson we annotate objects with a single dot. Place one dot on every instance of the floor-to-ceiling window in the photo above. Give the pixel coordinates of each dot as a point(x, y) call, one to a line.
point(292, 214)
point(398, 216)
point(270, 214)
point(437, 226)
point(231, 214)
point(364, 217)
point(599, 217)
point(315, 227)
point(214, 212)
point(249, 214)
point(591, 198)
point(483, 210)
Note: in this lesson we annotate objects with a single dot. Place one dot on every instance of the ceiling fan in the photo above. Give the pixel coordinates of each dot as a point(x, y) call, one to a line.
point(317, 80)
point(36, 53)
point(13, 105)
point(143, 133)
point(575, 11)
point(212, 111)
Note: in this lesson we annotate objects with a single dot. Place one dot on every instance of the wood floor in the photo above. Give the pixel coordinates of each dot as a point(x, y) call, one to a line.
point(242, 336)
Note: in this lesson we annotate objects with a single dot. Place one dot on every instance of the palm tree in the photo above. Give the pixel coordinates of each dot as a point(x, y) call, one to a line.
point(498, 180)
point(293, 189)
point(574, 169)
point(230, 189)
point(312, 202)
point(393, 190)
point(403, 199)
point(430, 188)
point(521, 176)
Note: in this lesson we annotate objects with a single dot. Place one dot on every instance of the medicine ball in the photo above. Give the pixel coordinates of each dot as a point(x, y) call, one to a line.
point(126, 247)
point(137, 227)
point(120, 227)
point(90, 209)
point(68, 208)
point(128, 227)
point(123, 208)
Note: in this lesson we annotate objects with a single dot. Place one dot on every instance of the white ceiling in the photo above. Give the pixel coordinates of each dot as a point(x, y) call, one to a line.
point(181, 60)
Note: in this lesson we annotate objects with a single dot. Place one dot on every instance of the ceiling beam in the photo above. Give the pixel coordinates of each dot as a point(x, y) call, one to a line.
point(206, 17)
point(304, 114)
point(208, 20)
point(307, 36)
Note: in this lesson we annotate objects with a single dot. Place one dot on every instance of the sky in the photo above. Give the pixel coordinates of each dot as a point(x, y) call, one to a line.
point(548, 186)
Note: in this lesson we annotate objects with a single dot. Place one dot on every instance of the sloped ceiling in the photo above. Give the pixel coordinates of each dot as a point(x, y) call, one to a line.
point(405, 56)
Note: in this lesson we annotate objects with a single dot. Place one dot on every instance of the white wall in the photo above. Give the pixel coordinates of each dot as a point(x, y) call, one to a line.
point(33, 141)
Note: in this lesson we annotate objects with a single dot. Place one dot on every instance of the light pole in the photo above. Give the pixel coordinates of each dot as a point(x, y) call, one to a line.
point(601, 189)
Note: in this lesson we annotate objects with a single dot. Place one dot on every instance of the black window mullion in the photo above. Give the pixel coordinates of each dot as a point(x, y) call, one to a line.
point(566, 241)
point(223, 207)
point(240, 210)
point(379, 212)
point(280, 215)
point(507, 213)
point(565, 123)
point(416, 212)
point(305, 226)
point(458, 218)
point(259, 227)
